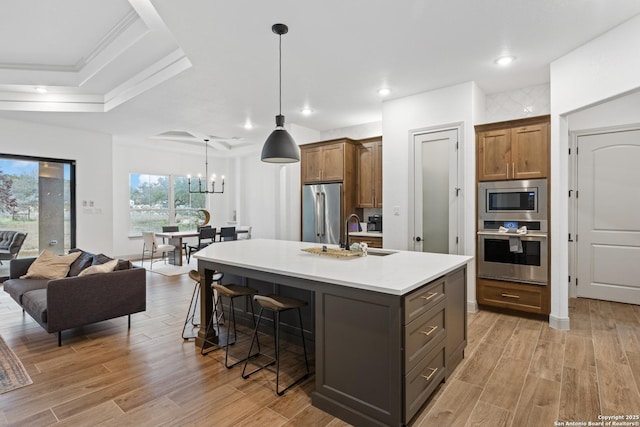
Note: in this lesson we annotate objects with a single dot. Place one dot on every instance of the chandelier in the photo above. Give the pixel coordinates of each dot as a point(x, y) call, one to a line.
point(203, 182)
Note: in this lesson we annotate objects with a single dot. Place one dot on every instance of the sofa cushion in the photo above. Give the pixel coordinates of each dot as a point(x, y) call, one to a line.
point(18, 287)
point(35, 303)
point(50, 266)
point(100, 268)
point(83, 261)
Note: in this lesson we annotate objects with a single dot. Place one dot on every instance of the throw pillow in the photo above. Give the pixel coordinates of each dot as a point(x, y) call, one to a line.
point(83, 261)
point(50, 266)
point(99, 268)
point(123, 264)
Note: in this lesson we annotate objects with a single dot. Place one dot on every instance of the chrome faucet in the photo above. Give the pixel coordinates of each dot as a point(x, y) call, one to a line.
point(346, 229)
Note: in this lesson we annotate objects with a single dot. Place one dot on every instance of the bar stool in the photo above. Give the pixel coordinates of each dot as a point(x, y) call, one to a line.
point(193, 306)
point(232, 292)
point(277, 304)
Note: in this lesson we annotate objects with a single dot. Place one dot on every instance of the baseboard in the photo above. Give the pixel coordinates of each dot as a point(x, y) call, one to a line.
point(560, 323)
point(472, 306)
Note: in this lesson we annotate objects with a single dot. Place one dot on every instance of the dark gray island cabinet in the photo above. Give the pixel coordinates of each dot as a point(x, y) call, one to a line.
point(387, 329)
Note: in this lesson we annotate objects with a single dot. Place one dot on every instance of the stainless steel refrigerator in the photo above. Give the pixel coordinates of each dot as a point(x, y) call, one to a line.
point(321, 213)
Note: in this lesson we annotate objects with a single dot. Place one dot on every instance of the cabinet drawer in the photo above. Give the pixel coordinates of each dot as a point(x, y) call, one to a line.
point(520, 297)
point(422, 380)
point(422, 334)
point(423, 299)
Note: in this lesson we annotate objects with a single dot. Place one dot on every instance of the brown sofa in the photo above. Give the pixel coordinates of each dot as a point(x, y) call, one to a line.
point(74, 300)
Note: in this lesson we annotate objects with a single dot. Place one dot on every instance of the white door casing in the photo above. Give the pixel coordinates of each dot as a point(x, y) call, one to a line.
point(436, 191)
point(608, 224)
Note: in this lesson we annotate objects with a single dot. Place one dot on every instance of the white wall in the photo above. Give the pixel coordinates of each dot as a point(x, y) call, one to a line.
point(600, 70)
point(461, 103)
point(363, 131)
point(92, 153)
point(270, 196)
point(518, 103)
point(621, 111)
point(164, 158)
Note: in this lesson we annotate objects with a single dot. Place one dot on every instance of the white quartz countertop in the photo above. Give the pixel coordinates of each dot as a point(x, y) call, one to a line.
point(366, 233)
point(396, 274)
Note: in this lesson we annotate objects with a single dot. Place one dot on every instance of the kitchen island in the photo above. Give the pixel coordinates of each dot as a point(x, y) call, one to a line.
point(387, 329)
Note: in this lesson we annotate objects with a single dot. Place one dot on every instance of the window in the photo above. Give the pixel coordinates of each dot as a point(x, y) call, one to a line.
point(157, 200)
point(37, 196)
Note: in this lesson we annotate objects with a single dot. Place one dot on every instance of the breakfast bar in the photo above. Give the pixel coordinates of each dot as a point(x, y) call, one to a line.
point(387, 327)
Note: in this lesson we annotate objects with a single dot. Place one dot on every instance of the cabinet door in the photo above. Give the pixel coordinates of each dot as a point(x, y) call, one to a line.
point(529, 156)
point(365, 173)
point(377, 175)
point(311, 164)
point(494, 155)
point(333, 162)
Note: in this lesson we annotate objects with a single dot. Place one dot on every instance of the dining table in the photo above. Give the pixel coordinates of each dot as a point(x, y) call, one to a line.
point(175, 238)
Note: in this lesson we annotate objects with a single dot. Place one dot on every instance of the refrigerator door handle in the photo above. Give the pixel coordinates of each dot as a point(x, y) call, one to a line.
point(317, 215)
point(324, 213)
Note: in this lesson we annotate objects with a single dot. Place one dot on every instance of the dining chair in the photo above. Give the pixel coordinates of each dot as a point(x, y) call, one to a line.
point(206, 236)
point(228, 233)
point(152, 246)
point(171, 229)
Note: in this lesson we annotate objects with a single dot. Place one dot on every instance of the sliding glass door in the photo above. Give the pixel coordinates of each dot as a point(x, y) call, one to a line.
point(37, 196)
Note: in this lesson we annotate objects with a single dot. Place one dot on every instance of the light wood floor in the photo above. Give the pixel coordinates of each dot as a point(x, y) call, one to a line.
point(517, 372)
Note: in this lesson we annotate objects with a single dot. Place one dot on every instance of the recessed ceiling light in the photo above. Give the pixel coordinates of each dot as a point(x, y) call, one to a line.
point(306, 111)
point(248, 125)
point(384, 91)
point(505, 60)
point(41, 89)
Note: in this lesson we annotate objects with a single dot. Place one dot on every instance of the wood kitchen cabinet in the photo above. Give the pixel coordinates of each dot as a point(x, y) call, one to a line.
point(369, 173)
point(515, 296)
point(332, 161)
point(327, 162)
point(371, 241)
point(517, 149)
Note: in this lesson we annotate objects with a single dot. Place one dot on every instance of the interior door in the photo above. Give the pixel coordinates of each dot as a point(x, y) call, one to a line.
point(608, 202)
point(436, 191)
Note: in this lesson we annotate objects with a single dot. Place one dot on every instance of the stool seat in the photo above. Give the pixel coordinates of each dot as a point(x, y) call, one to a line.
point(195, 275)
point(278, 302)
point(234, 290)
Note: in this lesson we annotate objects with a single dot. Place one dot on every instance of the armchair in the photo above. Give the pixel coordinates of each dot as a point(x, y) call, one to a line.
point(10, 244)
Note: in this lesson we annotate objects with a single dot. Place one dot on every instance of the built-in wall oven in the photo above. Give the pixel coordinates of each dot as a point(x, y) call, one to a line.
point(505, 251)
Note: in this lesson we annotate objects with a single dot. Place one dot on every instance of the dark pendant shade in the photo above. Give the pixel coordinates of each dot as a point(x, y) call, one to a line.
point(280, 146)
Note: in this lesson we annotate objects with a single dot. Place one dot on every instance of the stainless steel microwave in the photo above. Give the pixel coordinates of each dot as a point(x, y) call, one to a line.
point(521, 200)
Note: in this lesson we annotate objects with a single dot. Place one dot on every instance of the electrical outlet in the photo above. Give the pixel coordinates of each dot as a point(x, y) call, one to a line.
point(396, 210)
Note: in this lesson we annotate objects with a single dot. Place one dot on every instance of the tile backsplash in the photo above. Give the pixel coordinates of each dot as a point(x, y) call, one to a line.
point(517, 104)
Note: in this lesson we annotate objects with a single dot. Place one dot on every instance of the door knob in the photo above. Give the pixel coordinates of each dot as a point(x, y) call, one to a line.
point(418, 239)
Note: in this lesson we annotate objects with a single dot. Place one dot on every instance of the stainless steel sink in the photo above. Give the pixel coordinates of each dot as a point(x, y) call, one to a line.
point(379, 252)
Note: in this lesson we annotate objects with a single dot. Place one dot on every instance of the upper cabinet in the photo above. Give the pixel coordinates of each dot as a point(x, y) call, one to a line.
point(369, 172)
point(517, 149)
point(326, 162)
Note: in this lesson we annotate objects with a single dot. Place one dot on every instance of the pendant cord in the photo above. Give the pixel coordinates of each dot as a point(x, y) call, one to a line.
point(280, 70)
point(206, 160)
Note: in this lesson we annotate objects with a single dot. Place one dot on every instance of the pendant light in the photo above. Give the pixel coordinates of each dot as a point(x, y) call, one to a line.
point(280, 146)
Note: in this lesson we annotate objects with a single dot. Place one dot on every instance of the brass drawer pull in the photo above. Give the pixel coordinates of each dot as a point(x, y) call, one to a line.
point(433, 328)
point(431, 295)
point(505, 295)
point(433, 372)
